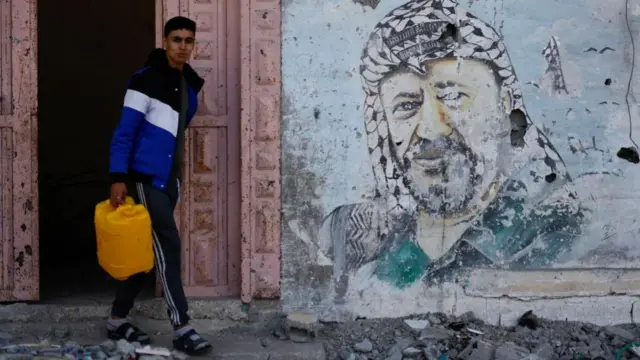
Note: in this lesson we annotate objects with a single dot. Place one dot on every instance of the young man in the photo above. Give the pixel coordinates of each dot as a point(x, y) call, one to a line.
point(146, 164)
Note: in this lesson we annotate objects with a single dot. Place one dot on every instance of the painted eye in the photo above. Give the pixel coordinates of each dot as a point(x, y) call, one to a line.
point(452, 98)
point(407, 106)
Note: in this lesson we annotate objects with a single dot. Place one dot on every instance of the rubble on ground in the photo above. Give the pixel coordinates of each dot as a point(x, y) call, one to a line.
point(108, 350)
point(440, 337)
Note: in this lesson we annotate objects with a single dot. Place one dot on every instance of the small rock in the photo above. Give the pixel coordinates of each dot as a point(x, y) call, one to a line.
point(302, 320)
point(510, 351)
point(411, 353)
point(415, 326)
point(431, 353)
point(347, 355)
point(434, 319)
point(125, 347)
point(434, 333)
point(618, 331)
point(364, 347)
point(478, 349)
point(109, 346)
point(264, 343)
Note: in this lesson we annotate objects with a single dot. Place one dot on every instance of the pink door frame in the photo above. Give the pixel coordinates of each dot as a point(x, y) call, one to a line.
point(260, 98)
point(19, 253)
point(260, 138)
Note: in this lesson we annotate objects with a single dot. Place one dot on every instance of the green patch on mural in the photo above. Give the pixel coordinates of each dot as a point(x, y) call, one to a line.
point(403, 265)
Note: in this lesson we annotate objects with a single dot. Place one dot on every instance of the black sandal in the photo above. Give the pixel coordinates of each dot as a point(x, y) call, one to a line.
point(192, 343)
point(130, 333)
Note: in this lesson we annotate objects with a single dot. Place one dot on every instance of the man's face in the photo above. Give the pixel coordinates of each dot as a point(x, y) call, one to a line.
point(179, 45)
point(446, 129)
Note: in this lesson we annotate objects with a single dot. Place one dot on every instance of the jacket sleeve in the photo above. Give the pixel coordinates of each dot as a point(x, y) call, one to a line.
point(136, 105)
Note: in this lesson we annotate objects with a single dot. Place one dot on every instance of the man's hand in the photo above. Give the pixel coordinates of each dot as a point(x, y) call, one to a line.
point(118, 194)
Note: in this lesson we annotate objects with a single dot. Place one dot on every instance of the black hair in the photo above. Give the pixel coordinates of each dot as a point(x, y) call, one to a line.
point(179, 23)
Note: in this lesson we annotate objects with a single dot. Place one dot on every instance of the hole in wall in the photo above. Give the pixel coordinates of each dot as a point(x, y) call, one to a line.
point(550, 178)
point(450, 34)
point(607, 82)
point(630, 154)
point(518, 127)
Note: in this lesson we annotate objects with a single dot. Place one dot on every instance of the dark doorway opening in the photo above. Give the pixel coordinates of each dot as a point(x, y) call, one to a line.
point(87, 49)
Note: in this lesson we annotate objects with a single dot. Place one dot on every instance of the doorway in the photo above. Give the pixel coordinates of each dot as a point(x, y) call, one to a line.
point(87, 50)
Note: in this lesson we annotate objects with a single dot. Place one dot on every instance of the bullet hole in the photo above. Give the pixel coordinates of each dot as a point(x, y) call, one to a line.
point(28, 249)
point(23, 227)
point(450, 34)
point(607, 82)
point(550, 178)
point(629, 154)
point(518, 127)
point(20, 259)
point(316, 113)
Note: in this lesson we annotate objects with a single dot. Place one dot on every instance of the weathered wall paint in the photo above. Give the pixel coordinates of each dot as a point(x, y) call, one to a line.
point(432, 149)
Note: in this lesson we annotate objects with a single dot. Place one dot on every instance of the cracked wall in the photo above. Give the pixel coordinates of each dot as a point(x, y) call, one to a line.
point(452, 153)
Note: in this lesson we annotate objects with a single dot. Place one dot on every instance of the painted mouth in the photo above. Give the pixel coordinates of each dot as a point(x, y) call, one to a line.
point(432, 166)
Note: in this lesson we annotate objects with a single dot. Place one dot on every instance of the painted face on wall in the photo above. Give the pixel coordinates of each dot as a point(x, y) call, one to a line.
point(446, 128)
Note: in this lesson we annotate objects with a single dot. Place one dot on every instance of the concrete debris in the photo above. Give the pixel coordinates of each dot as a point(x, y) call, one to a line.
point(468, 338)
point(364, 346)
point(416, 326)
point(300, 327)
point(109, 350)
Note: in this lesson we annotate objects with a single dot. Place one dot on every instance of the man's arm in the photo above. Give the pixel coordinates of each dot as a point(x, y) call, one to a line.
point(136, 104)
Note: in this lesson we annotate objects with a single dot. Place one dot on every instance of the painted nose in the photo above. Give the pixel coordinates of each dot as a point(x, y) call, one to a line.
point(434, 122)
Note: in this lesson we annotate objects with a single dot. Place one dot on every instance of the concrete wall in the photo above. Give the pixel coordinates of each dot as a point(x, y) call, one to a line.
point(442, 156)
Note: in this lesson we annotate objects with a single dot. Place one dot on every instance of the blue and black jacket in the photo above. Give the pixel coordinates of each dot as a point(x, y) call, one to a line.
point(143, 144)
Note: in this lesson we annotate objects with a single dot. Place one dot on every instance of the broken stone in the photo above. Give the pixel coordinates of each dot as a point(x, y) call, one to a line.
point(434, 333)
point(415, 326)
point(618, 331)
point(154, 351)
point(304, 321)
point(431, 353)
point(478, 349)
point(125, 347)
point(400, 345)
point(109, 346)
point(411, 353)
point(434, 319)
point(510, 351)
point(364, 347)
point(347, 355)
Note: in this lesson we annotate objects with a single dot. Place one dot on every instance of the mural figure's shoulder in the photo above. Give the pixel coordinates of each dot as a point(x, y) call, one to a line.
point(351, 232)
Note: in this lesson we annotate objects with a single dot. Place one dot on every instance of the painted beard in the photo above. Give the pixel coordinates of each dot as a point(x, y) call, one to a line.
point(442, 175)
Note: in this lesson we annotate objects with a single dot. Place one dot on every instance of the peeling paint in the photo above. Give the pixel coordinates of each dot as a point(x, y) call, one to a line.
point(542, 188)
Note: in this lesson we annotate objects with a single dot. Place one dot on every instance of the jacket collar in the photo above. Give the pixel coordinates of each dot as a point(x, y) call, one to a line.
point(158, 59)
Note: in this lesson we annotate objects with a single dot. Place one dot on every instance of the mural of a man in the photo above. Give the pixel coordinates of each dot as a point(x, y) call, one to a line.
point(454, 191)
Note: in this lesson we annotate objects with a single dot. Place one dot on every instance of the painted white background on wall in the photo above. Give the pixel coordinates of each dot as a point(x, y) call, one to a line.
point(322, 43)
